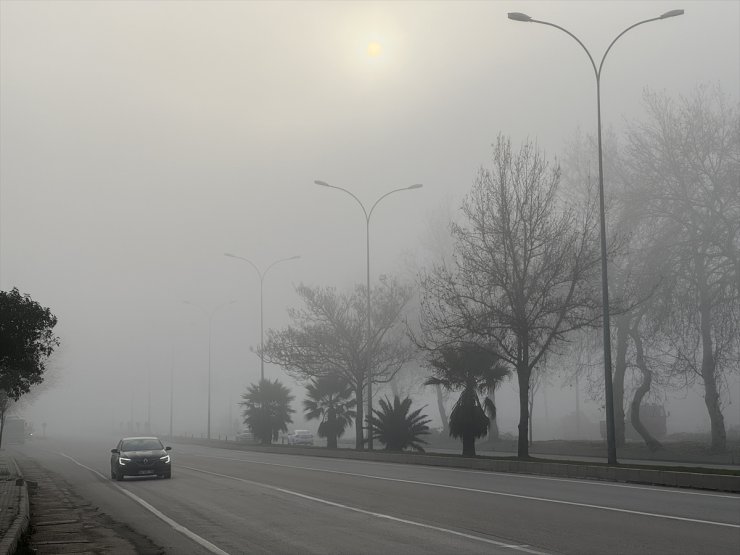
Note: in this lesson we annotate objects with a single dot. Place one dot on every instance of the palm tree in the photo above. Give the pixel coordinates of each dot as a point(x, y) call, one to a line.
point(330, 400)
point(267, 410)
point(470, 369)
point(393, 426)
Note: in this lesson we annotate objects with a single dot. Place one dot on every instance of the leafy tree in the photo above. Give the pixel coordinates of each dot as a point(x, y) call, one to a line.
point(524, 271)
point(26, 342)
point(394, 427)
point(330, 400)
point(328, 337)
point(267, 410)
point(5, 404)
point(470, 369)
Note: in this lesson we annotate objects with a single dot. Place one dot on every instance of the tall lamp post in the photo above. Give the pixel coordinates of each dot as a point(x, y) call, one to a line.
point(368, 214)
point(262, 304)
point(608, 391)
point(210, 314)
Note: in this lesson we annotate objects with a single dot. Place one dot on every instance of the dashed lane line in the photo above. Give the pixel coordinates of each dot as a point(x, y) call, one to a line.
point(522, 548)
point(489, 492)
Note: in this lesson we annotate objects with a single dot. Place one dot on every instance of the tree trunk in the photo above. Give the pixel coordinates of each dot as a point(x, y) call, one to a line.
point(708, 362)
point(331, 438)
point(531, 427)
point(359, 445)
point(620, 367)
point(523, 373)
point(647, 380)
point(468, 445)
point(442, 411)
point(2, 427)
point(493, 432)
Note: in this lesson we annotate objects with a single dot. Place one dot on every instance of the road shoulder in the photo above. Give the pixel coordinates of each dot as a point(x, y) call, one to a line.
point(63, 522)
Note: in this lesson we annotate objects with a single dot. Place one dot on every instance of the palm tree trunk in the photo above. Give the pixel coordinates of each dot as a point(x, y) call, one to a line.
point(442, 411)
point(468, 445)
point(493, 432)
point(331, 438)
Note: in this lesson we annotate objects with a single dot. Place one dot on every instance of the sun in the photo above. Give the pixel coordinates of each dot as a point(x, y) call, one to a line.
point(374, 49)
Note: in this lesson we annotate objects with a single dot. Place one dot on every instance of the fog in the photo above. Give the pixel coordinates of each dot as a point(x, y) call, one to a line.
point(140, 141)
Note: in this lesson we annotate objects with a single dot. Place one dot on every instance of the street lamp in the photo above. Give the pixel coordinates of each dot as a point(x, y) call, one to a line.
point(262, 313)
point(367, 241)
point(608, 392)
point(210, 315)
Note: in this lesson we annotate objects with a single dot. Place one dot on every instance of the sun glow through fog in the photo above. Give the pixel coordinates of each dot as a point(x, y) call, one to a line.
point(374, 49)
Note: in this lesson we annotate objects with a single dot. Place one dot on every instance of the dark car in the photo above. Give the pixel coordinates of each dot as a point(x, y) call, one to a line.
point(140, 456)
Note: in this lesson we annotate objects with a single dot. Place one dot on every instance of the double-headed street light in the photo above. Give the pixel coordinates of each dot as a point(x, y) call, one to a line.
point(210, 314)
point(608, 391)
point(262, 304)
point(368, 214)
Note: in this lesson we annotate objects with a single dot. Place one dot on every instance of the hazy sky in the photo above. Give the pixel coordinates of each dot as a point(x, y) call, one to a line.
point(139, 141)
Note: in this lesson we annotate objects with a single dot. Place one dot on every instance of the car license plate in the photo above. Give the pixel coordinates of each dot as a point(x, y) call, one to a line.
point(146, 472)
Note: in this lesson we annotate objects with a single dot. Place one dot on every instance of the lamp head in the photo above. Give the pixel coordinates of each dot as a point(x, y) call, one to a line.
point(518, 16)
point(416, 186)
point(230, 255)
point(672, 13)
point(296, 257)
point(322, 183)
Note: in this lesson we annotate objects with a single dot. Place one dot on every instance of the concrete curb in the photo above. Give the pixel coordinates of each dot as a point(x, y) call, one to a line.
point(19, 527)
point(632, 475)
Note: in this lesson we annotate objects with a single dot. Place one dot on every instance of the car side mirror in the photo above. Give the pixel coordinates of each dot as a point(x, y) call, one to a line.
point(114, 450)
point(168, 448)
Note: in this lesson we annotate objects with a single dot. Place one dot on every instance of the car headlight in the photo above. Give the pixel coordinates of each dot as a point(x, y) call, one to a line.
point(123, 460)
point(165, 459)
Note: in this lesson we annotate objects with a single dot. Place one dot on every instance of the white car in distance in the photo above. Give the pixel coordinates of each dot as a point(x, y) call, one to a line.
point(300, 437)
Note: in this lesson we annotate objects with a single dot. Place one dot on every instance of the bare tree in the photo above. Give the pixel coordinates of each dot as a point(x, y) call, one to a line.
point(328, 337)
point(522, 276)
point(685, 160)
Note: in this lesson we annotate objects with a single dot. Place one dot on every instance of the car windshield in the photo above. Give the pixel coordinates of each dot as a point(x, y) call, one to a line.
point(141, 444)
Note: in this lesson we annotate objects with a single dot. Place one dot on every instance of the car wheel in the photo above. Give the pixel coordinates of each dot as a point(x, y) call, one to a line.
point(168, 475)
point(119, 476)
point(112, 473)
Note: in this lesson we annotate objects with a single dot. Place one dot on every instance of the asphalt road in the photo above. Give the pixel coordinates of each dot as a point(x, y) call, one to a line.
point(225, 501)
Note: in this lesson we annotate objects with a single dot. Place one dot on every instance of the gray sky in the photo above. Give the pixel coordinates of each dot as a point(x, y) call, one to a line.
point(142, 140)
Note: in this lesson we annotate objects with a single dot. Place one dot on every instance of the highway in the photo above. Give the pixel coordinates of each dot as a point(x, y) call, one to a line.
point(229, 501)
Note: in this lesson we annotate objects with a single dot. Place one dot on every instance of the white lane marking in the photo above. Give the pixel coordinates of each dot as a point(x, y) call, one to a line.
point(488, 492)
point(522, 548)
point(584, 481)
point(179, 527)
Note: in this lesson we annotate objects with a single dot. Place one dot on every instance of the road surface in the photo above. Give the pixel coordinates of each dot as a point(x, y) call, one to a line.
point(227, 501)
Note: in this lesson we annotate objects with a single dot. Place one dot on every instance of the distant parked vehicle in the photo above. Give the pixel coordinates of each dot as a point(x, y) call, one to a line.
point(245, 435)
point(140, 456)
point(300, 437)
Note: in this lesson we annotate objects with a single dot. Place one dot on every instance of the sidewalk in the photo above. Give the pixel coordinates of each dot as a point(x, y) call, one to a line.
point(14, 507)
